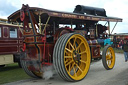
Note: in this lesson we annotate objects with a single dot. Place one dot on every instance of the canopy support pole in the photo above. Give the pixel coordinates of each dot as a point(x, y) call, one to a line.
point(114, 27)
point(46, 24)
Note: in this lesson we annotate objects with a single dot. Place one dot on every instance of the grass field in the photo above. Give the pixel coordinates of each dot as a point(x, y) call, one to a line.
point(118, 50)
point(11, 73)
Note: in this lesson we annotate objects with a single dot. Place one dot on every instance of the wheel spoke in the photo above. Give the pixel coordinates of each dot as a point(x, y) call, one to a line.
point(74, 44)
point(71, 46)
point(67, 56)
point(74, 71)
point(83, 61)
point(79, 45)
point(109, 62)
point(109, 54)
point(68, 46)
point(66, 60)
point(110, 58)
point(68, 50)
point(72, 65)
point(79, 68)
point(82, 52)
point(69, 63)
point(107, 57)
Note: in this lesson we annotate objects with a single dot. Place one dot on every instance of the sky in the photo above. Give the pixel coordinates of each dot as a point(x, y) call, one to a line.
point(114, 8)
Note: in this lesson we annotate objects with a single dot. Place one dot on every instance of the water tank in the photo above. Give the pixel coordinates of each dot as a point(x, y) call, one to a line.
point(90, 10)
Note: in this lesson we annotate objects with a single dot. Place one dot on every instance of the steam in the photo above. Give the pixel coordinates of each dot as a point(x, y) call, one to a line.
point(48, 72)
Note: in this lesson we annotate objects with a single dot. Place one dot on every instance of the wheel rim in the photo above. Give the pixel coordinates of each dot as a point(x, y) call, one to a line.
point(38, 74)
point(110, 57)
point(77, 57)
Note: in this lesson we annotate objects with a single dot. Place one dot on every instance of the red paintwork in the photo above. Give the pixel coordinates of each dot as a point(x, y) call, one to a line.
point(95, 51)
point(10, 45)
point(22, 15)
point(24, 47)
point(60, 32)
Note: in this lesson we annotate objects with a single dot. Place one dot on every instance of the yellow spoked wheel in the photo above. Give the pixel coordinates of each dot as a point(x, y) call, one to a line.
point(108, 57)
point(71, 57)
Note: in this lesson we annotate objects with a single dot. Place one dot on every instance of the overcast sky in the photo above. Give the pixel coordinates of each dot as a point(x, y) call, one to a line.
point(115, 8)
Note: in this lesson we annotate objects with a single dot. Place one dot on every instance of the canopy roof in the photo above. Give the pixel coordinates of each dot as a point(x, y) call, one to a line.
point(120, 34)
point(63, 17)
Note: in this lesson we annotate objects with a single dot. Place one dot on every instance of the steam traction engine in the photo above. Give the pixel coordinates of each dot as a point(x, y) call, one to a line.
point(67, 40)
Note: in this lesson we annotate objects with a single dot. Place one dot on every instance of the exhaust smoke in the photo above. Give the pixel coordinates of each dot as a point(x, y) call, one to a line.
point(48, 72)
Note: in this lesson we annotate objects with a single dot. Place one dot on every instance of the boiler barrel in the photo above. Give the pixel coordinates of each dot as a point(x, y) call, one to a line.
point(90, 10)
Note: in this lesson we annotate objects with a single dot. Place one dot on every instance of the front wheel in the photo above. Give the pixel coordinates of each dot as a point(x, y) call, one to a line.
point(108, 57)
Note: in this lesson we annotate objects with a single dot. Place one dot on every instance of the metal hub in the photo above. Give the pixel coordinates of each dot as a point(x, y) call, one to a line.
point(76, 57)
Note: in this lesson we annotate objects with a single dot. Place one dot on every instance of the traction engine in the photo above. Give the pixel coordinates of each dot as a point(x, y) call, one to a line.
point(68, 41)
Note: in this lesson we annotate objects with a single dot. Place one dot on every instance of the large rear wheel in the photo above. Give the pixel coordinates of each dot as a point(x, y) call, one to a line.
point(71, 57)
point(108, 57)
point(25, 67)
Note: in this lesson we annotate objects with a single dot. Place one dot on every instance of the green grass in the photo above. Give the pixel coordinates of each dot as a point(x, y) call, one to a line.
point(118, 50)
point(115, 49)
point(11, 73)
